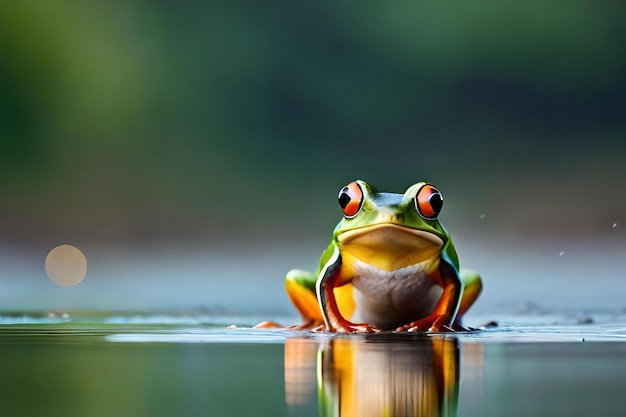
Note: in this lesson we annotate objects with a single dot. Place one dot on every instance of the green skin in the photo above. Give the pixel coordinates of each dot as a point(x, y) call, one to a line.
point(388, 220)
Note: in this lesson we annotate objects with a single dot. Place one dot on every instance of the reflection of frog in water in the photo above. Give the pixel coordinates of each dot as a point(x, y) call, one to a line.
point(375, 375)
point(390, 265)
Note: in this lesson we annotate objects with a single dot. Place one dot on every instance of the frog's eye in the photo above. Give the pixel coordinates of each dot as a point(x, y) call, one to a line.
point(428, 202)
point(350, 199)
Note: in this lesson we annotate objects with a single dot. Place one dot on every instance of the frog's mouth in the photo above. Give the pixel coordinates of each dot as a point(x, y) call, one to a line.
point(389, 246)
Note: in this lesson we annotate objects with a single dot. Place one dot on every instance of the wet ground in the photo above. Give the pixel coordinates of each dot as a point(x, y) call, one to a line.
point(76, 364)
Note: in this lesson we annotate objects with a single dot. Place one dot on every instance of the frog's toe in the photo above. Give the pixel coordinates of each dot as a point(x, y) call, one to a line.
point(268, 325)
point(357, 328)
point(311, 324)
point(433, 323)
point(319, 329)
point(408, 328)
point(411, 328)
point(441, 328)
point(416, 326)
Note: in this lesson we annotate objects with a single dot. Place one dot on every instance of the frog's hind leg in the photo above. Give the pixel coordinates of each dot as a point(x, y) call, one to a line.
point(472, 287)
point(300, 286)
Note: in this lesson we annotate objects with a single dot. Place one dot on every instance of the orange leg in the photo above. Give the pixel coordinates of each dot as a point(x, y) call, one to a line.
point(442, 317)
point(300, 286)
point(472, 287)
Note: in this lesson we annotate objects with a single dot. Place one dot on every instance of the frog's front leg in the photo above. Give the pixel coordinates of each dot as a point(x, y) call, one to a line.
point(330, 278)
point(443, 316)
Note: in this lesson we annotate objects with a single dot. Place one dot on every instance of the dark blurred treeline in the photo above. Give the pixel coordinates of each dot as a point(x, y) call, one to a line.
point(175, 121)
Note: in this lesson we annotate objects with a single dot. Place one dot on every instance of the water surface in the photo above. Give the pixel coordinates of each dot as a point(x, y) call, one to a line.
point(119, 364)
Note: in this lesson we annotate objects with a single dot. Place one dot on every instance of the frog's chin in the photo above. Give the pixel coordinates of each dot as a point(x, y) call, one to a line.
point(390, 246)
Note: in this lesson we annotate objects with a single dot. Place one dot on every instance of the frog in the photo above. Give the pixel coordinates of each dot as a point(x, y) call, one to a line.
point(390, 266)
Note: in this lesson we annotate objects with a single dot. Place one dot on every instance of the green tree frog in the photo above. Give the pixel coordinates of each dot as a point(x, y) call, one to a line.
point(389, 265)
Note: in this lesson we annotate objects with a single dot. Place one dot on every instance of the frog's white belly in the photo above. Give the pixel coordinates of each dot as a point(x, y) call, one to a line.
point(389, 299)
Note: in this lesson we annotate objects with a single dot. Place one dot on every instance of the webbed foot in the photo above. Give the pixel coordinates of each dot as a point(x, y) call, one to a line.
point(432, 323)
point(348, 327)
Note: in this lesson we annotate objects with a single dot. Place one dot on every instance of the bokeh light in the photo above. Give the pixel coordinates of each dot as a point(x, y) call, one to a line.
point(66, 265)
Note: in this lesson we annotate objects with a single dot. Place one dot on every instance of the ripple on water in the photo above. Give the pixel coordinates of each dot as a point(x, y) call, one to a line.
point(207, 328)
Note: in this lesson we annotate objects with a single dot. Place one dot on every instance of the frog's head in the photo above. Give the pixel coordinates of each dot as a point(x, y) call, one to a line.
point(390, 231)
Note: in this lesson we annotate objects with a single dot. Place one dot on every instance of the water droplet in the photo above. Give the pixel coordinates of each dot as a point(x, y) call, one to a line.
point(66, 265)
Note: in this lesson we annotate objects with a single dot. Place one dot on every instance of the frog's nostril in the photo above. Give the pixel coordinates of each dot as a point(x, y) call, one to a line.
point(396, 218)
point(390, 218)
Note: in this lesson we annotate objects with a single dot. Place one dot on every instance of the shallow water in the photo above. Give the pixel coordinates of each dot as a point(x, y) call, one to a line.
point(172, 364)
point(558, 350)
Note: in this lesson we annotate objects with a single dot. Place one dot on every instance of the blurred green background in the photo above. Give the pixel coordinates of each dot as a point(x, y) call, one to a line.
point(132, 130)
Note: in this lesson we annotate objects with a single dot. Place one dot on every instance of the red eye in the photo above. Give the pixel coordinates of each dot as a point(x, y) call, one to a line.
point(428, 202)
point(350, 199)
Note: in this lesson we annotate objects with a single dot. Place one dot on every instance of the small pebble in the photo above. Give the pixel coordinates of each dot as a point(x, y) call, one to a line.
point(490, 325)
point(614, 225)
point(561, 253)
point(482, 216)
